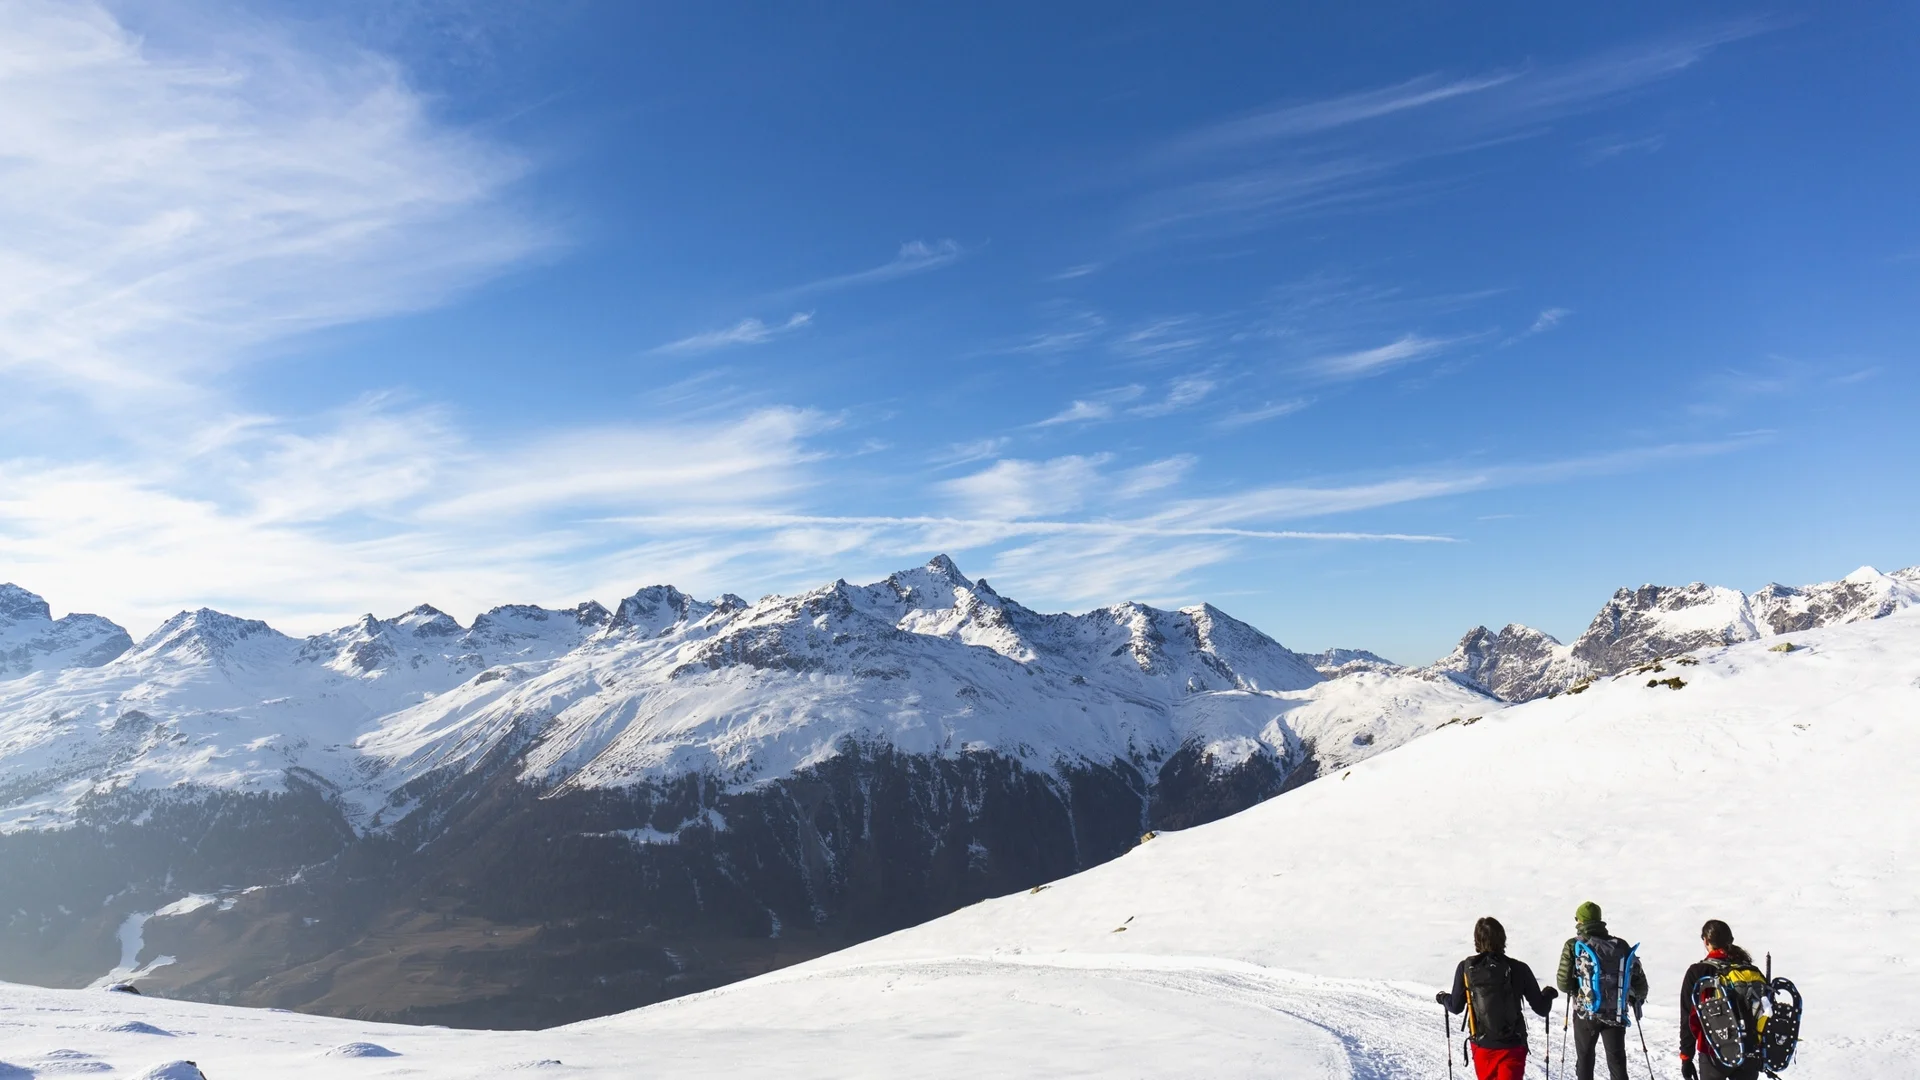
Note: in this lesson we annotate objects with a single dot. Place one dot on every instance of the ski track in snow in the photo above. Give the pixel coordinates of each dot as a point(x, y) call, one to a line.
point(1383, 1031)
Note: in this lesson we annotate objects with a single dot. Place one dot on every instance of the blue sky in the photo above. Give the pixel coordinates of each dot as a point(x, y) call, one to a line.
point(1367, 327)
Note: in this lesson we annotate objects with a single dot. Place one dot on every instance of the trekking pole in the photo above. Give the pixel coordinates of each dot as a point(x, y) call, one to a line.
point(1566, 1023)
point(1644, 1052)
point(1446, 1019)
point(1546, 1028)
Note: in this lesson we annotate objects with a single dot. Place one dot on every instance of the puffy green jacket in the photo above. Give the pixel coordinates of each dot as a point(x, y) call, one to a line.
point(1637, 985)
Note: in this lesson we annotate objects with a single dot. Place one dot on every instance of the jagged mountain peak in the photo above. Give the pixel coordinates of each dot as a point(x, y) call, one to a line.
point(31, 639)
point(654, 609)
point(934, 585)
point(203, 634)
point(427, 621)
point(1335, 663)
point(506, 618)
point(18, 604)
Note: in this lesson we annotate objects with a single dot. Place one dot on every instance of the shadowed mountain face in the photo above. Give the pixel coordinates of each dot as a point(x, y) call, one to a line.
point(492, 905)
point(550, 815)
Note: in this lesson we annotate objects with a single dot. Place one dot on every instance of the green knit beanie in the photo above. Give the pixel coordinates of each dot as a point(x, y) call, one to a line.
point(1586, 913)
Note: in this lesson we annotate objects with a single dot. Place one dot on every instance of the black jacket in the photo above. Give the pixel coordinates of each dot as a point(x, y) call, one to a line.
point(1690, 1038)
point(1524, 985)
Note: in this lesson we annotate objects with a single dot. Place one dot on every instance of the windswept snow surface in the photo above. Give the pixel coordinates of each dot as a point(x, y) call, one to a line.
point(1303, 937)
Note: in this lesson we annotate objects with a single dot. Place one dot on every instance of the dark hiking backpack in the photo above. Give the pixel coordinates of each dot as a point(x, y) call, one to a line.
point(1747, 1018)
point(1603, 969)
point(1493, 1006)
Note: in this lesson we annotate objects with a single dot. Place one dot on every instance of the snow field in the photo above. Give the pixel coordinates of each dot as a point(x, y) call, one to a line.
point(1773, 790)
point(1302, 938)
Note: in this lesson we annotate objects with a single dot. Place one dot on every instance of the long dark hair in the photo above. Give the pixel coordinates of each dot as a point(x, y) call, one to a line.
point(1490, 937)
point(1719, 935)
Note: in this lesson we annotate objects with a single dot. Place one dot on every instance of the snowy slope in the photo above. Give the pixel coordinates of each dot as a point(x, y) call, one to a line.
point(1796, 765)
point(1304, 937)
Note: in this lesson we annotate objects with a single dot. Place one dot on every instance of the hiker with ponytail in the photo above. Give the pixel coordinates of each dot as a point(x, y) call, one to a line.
point(1697, 1061)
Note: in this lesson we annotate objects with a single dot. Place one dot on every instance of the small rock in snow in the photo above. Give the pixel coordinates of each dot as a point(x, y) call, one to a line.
point(361, 1050)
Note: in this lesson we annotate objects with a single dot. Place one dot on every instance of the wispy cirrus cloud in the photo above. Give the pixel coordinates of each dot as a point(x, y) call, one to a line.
point(748, 331)
point(1272, 410)
point(1355, 150)
point(964, 453)
point(1100, 406)
point(1548, 319)
point(1595, 151)
point(1182, 394)
point(311, 521)
point(914, 257)
point(1065, 332)
point(1294, 120)
point(165, 214)
point(1364, 363)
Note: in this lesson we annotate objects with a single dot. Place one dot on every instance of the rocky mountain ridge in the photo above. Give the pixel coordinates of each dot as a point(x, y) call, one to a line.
point(31, 639)
point(1654, 621)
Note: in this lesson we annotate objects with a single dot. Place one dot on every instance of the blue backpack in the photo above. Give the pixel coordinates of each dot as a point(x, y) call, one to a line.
point(1603, 969)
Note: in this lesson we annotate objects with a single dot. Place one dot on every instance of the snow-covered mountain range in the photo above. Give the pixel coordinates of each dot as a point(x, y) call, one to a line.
point(621, 805)
point(1639, 625)
point(1302, 938)
point(792, 773)
point(926, 661)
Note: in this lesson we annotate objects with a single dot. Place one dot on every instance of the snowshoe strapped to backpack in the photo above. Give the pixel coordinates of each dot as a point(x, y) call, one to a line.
point(1734, 1006)
point(1493, 1006)
point(1780, 1035)
point(1603, 968)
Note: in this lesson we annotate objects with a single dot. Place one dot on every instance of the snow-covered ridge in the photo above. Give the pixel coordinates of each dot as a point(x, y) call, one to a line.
point(925, 661)
point(1654, 621)
point(31, 639)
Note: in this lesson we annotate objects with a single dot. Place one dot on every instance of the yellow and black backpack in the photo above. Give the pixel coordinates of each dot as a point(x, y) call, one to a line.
point(1747, 1018)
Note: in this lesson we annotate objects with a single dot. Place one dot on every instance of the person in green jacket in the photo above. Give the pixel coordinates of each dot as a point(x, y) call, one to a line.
point(1601, 1021)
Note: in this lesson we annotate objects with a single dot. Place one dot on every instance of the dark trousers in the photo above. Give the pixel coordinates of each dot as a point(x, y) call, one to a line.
point(1711, 1070)
point(1587, 1032)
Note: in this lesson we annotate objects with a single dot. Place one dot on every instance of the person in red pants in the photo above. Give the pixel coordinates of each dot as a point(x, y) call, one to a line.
point(1489, 987)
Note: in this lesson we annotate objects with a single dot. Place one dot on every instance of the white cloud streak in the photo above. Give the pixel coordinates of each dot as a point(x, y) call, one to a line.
point(1314, 117)
point(164, 214)
point(1093, 409)
point(1343, 152)
point(1548, 319)
point(1368, 362)
point(749, 331)
point(1184, 393)
point(1272, 410)
point(1012, 488)
point(313, 522)
point(914, 257)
